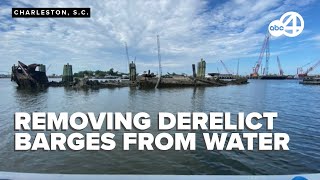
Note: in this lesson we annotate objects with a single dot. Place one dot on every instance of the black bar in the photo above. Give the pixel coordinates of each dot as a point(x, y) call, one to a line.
point(51, 13)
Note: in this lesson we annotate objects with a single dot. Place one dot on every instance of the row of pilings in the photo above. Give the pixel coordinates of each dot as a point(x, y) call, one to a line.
point(201, 69)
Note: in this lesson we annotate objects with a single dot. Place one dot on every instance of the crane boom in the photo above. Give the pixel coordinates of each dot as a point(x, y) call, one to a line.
point(127, 53)
point(48, 67)
point(264, 48)
point(279, 65)
point(225, 67)
point(312, 67)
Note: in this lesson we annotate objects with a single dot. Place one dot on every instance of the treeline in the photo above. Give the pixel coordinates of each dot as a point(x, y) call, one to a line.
point(98, 73)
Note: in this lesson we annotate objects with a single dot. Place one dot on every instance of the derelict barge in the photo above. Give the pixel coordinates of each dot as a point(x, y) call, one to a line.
point(34, 76)
point(187, 81)
point(31, 76)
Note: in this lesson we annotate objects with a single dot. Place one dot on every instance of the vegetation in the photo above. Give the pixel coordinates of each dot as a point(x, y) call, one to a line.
point(98, 73)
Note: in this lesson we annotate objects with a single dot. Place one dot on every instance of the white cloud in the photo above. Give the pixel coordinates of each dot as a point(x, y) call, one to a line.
point(189, 30)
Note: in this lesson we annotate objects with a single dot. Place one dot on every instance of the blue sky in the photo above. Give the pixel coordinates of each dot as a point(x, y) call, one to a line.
point(189, 30)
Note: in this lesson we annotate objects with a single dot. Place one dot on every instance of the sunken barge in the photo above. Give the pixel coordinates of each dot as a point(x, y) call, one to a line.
point(199, 79)
point(187, 81)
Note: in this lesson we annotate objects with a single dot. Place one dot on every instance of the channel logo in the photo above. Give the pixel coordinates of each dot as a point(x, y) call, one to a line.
point(290, 24)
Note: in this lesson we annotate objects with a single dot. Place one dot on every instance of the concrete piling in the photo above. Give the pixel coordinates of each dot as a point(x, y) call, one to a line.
point(201, 69)
point(67, 75)
point(132, 71)
point(194, 71)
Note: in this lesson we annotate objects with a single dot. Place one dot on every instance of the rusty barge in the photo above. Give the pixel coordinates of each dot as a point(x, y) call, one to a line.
point(29, 76)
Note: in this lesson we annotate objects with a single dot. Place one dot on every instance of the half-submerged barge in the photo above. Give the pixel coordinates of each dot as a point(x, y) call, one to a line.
point(34, 76)
point(29, 76)
point(198, 79)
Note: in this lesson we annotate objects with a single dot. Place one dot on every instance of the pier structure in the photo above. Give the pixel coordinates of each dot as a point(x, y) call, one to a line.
point(201, 69)
point(67, 75)
point(132, 71)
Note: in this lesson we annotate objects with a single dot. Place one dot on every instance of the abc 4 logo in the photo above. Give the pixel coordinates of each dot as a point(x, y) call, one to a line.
point(288, 25)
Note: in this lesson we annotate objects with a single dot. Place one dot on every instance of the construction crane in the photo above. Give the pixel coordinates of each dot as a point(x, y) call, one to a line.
point(48, 67)
point(302, 74)
point(225, 67)
point(159, 59)
point(300, 69)
point(279, 66)
point(264, 49)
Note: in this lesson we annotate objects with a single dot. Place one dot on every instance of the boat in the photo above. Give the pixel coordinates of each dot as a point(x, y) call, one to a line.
point(29, 76)
point(275, 77)
point(311, 80)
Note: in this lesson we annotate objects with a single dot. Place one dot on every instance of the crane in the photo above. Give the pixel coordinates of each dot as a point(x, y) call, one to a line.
point(225, 67)
point(279, 65)
point(312, 67)
point(48, 67)
point(303, 74)
point(300, 69)
point(264, 49)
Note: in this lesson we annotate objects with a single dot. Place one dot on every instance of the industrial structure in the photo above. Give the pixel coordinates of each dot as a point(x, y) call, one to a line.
point(264, 50)
point(201, 69)
point(279, 66)
point(301, 74)
point(225, 67)
point(67, 75)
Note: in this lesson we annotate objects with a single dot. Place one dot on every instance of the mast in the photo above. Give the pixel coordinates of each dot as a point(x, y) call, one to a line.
point(238, 68)
point(127, 54)
point(159, 59)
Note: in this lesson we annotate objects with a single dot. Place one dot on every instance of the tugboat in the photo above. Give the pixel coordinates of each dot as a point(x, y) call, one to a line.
point(31, 76)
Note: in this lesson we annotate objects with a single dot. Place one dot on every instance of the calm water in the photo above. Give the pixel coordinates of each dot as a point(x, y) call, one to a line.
point(299, 116)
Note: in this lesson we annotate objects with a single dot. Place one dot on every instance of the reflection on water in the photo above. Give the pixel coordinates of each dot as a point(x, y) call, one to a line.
point(298, 107)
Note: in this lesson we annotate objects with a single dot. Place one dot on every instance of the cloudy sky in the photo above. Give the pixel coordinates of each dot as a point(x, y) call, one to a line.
point(189, 30)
